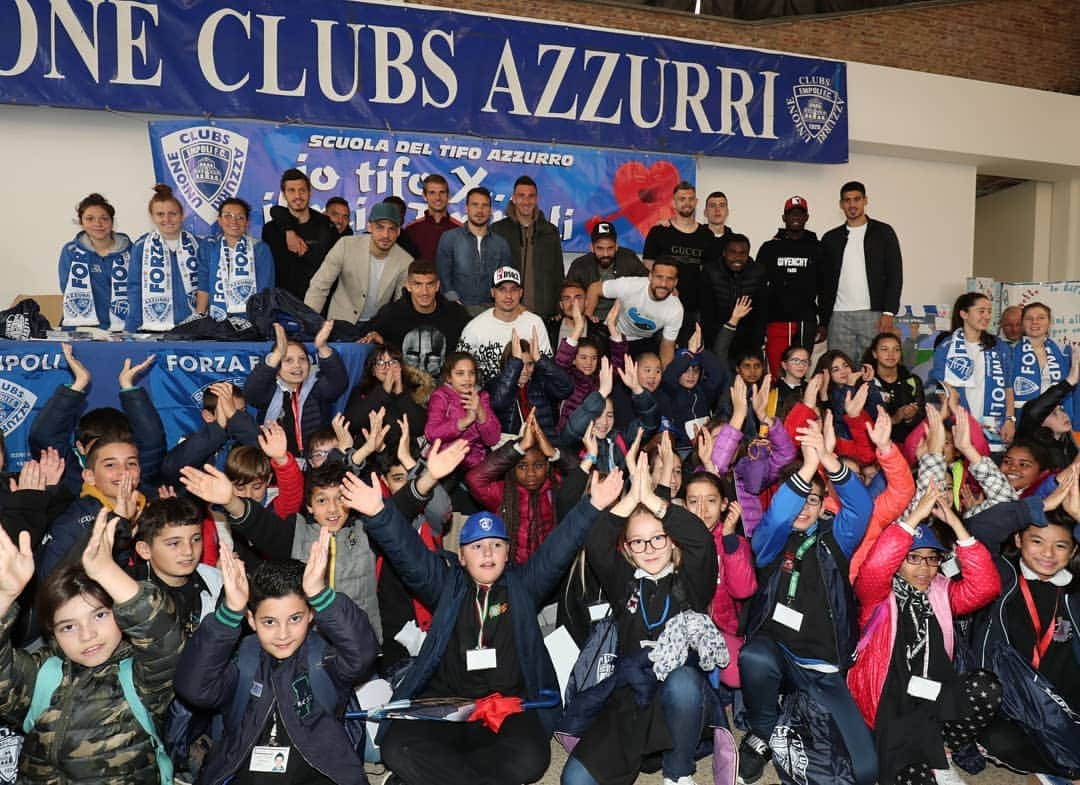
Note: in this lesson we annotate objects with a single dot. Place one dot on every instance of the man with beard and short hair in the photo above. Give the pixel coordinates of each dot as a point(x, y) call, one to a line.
point(607, 261)
point(649, 315)
point(337, 210)
point(299, 237)
point(426, 232)
point(864, 276)
point(795, 275)
point(535, 247)
point(736, 276)
point(423, 324)
point(369, 270)
point(469, 255)
point(487, 334)
point(692, 245)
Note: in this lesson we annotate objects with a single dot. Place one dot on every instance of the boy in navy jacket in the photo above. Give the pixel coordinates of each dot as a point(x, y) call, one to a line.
point(283, 725)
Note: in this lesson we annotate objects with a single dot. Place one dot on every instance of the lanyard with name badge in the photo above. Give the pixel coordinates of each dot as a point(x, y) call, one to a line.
point(1042, 639)
point(480, 658)
point(650, 626)
point(783, 613)
point(922, 686)
point(270, 758)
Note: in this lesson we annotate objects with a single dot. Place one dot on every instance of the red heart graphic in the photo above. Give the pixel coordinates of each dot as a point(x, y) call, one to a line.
point(644, 193)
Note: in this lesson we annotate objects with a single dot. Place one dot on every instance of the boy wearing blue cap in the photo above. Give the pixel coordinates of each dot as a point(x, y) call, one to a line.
point(904, 680)
point(484, 636)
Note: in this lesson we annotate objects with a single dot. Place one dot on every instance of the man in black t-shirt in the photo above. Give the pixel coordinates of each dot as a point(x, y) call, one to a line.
point(299, 237)
point(692, 245)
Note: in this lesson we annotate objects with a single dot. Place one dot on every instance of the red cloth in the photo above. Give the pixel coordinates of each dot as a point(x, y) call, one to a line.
point(494, 709)
point(209, 541)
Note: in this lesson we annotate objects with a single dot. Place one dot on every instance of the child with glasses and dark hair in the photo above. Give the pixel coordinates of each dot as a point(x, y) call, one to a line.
point(904, 679)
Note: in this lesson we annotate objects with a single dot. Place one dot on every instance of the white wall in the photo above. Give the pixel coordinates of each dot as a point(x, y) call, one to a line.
point(1012, 233)
point(936, 243)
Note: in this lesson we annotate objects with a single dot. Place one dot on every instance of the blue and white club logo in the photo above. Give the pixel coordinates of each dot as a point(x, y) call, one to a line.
point(206, 164)
point(486, 524)
point(16, 403)
point(815, 107)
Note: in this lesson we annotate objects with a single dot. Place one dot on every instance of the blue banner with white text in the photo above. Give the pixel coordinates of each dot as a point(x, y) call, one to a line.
point(404, 68)
point(578, 186)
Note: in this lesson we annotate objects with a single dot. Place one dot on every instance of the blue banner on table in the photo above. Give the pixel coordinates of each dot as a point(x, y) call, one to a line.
point(400, 67)
point(31, 371)
point(578, 186)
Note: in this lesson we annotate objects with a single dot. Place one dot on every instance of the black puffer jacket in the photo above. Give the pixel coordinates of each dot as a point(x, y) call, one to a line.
point(88, 734)
point(549, 386)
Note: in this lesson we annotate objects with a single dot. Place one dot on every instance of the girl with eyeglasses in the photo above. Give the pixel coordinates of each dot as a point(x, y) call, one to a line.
point(794, 368)
point(904, 679)
point(164, 273)
point(232, 266)
point(656, 561)
point(388, 383)
point(1029, 635)
point(901, 390)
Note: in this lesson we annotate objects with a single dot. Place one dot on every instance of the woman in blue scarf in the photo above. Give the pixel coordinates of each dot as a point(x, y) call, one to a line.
point(1036, 363)
point(94, 269)
point(974, 363)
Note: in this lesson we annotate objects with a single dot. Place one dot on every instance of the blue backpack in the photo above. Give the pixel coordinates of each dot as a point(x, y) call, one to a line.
point(322, 687)
point(52, 673)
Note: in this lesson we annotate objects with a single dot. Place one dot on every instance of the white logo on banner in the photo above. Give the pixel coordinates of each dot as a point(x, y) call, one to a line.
point(10, 743)
point(814, 108)
point(207, 165)
point(16, 403)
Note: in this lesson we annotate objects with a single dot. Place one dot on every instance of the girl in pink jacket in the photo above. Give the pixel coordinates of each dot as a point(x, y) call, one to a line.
point(736, 581)
point(458, 410)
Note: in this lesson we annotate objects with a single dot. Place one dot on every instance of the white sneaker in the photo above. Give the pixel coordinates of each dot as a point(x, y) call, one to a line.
point(687, 780)
point(949, 776)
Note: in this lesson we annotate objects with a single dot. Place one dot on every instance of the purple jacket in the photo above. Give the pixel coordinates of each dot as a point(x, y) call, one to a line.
point(755, 471)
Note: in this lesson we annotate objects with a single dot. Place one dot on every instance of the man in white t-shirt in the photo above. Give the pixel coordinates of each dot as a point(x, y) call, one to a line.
point(487, 334)
point(649, 307)
point(863, 277)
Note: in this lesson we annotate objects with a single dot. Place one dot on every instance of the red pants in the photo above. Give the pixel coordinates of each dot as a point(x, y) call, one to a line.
point(780, 335)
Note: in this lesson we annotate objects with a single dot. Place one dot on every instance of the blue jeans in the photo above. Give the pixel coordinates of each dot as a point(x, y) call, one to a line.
point(767, 671)
point(682, 698)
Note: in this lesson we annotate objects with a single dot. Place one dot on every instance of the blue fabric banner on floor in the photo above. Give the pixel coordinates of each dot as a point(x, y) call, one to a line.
point(368, 65)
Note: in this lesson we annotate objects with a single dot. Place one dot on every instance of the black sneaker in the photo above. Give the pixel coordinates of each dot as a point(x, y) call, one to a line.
point(753, 755)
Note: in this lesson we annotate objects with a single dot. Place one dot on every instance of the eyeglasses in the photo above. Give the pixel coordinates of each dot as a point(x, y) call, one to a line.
point(915, 560)
point(318, 453)
point(797, 361)
point(813, 500)
point(657, 541)
point(385, 363)
point(233, 217)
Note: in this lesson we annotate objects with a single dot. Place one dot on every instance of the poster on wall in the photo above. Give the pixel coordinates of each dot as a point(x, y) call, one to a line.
point(1062, 297)
point(577, 186)
point(406, 68)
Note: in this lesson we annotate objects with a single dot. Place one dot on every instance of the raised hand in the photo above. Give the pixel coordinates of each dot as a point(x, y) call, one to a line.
point(743, 306)
point(854, 404)
point(962, 435)
point(1065, 479)
point(867, 372)
point(579, 323)
point(273, 442)
point(731, 517)
point(607, 379)
point(1071, 503)
point(16, 567)
point(603, 493)
point(814, 385)
point(760, 399)
point(534, 347)
point(314, 580)
point(694, 342)
point(97, 557)
point(52, 466)
point(341, 432)
point(739, 405)
point(828, 436)
point(542, 441)
point(404, 445)
point(78, 370)
point(210, 484)
point(515, 344)
point(944, 511)
point(639, 480)
point(703, 443)
point(628, 374)
point(31, 478)
point(588, 441)
point(127, 498)
point(443, 460)
point(129, 374)
point(225, 408)
point(360, 496)
point(935, 431)
point(281, 343)
point(528, 433)
point(931, 496)
point(634, 449)
point(166, 492)
point(881, 429)
point(612, 322)
point(1074, 366)
point(234, 580)
point(374, 437)
point(811, 442)
point(322, 338)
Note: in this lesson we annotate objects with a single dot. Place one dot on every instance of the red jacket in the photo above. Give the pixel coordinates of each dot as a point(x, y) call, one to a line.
point(978, 585)
point(858, 447)
point(736, 582)
point(888, 506)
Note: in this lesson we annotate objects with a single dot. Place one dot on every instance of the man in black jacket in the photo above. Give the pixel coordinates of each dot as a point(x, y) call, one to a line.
point(736, 276)
point(863, 276)
point(793, 268)
point(535, 247)
point(299, 237)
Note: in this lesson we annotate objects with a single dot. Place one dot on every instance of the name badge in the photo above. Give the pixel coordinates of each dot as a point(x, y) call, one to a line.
point(950, 568)
point(927, 689)
point(598, 610)
point(271, 760)
point(787, 616)
point(480, 659)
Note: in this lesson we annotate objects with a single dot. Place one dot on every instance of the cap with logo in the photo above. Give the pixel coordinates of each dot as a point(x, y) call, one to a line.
point(506, 274)
point(796, 203)
point(384, 212)
point(925, 538)
point(604, 229)
point(480, 526)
